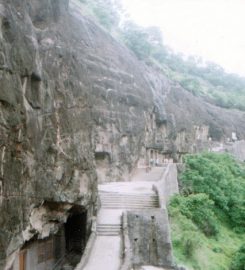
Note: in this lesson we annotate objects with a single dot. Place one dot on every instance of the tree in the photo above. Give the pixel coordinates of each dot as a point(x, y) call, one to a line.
point(137, 39)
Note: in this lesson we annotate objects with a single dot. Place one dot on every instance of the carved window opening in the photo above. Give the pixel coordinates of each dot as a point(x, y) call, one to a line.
point(102, 156)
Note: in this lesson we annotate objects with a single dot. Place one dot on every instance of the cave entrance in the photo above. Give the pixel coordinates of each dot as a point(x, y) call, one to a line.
point(76, 230)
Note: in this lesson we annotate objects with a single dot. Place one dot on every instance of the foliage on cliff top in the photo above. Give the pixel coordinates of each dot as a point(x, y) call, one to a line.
point(206, 80)
point(208, 216)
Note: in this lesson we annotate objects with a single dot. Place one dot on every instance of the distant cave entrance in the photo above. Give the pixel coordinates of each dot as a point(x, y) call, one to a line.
point(76, 230)
point(103, 160)
point(102, 156)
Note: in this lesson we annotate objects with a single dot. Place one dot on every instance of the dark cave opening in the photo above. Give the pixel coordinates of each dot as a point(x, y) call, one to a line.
point(76, 231)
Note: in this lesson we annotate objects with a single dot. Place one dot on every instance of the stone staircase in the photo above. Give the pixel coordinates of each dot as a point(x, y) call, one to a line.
point(111, 200)
point(114, 200)
point(108, 229)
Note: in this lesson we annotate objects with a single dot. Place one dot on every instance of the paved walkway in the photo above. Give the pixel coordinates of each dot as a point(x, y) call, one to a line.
point(106, 254)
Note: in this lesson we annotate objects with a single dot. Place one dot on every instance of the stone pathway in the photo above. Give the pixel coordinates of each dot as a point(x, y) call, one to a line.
point(106, 253)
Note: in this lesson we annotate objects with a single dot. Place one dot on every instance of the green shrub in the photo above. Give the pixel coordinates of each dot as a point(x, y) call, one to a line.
point(199, 209)
point(238, 260)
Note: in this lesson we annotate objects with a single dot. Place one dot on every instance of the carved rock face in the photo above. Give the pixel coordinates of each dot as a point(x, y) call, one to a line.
point(73, 100)
point(62, 81)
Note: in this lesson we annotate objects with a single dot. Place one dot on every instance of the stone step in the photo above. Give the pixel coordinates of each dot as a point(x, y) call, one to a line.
point(156, 204)
point(108, 227)
point(108, 230)
point(111, 224)
point(127, 207)
point(128, 194)
point(127, 200)
point(124, 196)
point(108, 233)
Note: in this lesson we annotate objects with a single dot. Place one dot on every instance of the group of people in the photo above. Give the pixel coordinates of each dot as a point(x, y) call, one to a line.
point(154, 162)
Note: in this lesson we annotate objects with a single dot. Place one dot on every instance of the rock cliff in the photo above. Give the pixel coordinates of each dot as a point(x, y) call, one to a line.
point(77, 106)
